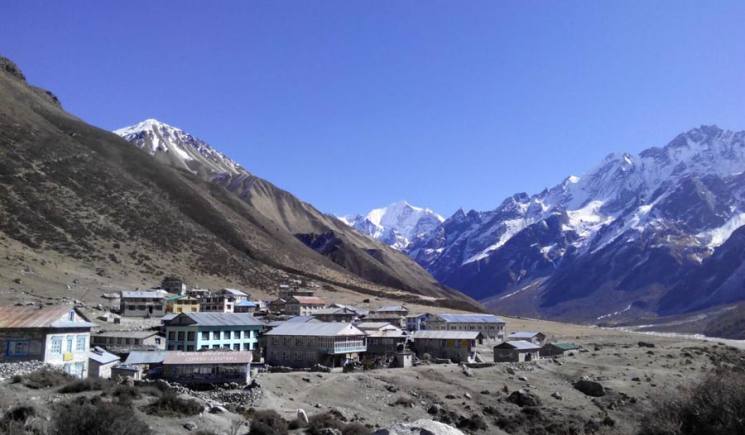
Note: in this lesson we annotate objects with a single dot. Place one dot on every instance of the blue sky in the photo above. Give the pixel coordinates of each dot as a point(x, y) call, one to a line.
point(355, 104)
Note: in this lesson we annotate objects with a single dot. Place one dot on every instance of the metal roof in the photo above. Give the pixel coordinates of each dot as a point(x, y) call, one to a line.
point(126, 334)
point(517, 344)
point(154, 294)
point(309, 300)
point(564, 346)
point(391, 308)
point(319, 329)
point(234, 292)
point(373, 325)
point(446, 335)
point(221, 319)
point(34, 317)
point(208, 357)
point(246, 304)
point(470, 318)
point(523, 334)
point(100, 356)
point(145, 357)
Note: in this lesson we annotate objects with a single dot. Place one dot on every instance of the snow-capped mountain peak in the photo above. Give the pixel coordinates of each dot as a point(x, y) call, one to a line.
point(397, 224)
point(178, 147)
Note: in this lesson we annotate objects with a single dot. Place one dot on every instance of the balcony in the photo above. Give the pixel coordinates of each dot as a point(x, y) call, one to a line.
point(351, 346)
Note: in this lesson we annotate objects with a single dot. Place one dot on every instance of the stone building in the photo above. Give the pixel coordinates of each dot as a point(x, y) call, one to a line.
point(458, 346)
point(101, 362)
point(150, 303)
point(516, 351)
point(489, 325)
point(304, 344)
point(537, 338)
point(208, 367)
point(304, 305)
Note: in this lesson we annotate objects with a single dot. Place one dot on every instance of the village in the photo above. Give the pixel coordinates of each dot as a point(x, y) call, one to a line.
point(302, 354)
point(200, 336)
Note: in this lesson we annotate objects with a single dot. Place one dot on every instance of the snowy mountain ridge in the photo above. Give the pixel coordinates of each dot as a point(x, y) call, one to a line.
point(396, 224)
point(178, 147)
point(675, 205)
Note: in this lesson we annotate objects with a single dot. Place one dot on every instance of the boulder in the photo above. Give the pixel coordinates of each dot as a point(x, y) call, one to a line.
point(190, 425)
point(646, 344)
point(420, 427)
point(523, 398)
point(590, 388)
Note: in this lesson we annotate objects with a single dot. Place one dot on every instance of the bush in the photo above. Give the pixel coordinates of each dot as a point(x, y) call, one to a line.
point(170, 405)
point(44, 378)
point(14, 420)
point(267, 422)
point(88, 384)
point(716, 406)
point(356, 429)
point(319, 422)
point(83, 416)
point(404, 401)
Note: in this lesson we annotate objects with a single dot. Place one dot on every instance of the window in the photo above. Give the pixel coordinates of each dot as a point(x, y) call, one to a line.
point(226, 346)
point(227, 335)
point(71, 316)
point(181, 335)
point(237, 346)
point(205, 335)
point(215, 346)
point(171, 346)
point(171, 335)
point(246, 346)
point(190, 335)
point(204, 347)
point(215, 335)
point(81, 343)
point(157, 340)
point(237, 335)
point(56, 345)
point(18, 348)
point(69, 343)
point(189, 348)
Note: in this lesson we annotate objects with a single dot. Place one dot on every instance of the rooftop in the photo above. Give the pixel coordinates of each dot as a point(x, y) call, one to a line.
point(100, 355)
point(152, 294)
point(44, 317)
point(146, 357)
point(391, 308)
point(470, 318)
point(517, 344)
point(523, 334)
point(446, 335)
point(218, 319)
point(126, 334)
point(318, 329)
point(309, 300)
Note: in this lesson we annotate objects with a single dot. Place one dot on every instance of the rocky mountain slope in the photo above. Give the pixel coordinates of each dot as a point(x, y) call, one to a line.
point(76, 198)
point(636, 237)
point(396, 225)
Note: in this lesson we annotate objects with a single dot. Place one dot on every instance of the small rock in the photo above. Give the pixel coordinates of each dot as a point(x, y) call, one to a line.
point(306, 379)
point(523, 398)
point(646, 344)
point(556, 395)
point(190, 425)
point(467, 396)
point(523, 378)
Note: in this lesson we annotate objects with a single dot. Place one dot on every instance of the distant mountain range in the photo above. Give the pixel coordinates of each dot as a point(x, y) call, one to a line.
point(637, 237)
point(81, 202)
point(396, 225)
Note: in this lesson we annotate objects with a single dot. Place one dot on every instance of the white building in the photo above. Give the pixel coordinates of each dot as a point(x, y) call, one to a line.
point(57, 335)
point(489, 325)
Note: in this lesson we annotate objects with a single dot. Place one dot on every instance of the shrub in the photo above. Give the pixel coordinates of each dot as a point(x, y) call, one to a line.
point(356, 429)
point(267, 422)
point(404, 401)
point(43, 378)
point(81, 385)
point(14, 420)
point(170, 405)
point(318, 422)
point(83, 416)
point(715, 405)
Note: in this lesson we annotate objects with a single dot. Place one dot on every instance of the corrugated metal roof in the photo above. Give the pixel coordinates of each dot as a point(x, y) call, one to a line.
point(234, 292)
point(208, 357)
point(390, 308)
point(155, 294)
point(145, 357)
point(523, 334)
point(126, 334)
point(469, 318)
point(222, 319)
point(373, 325)
point(100, 355)
point(517, 344)
point(34, 317)
point(564, 346)
point(309, 300)
point(319, 329)
point(446, 335)
point(246, 304)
